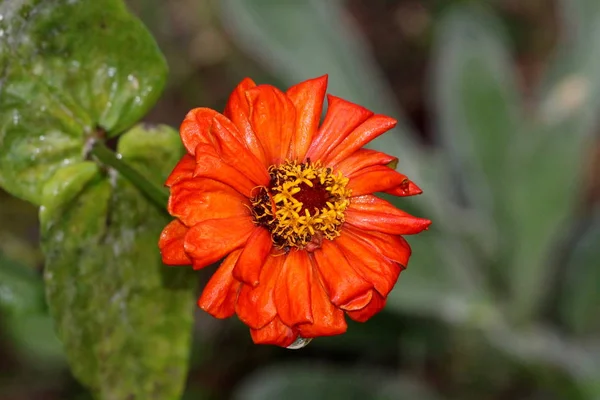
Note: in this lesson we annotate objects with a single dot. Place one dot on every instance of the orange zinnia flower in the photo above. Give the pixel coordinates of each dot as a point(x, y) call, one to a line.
point(288, 203)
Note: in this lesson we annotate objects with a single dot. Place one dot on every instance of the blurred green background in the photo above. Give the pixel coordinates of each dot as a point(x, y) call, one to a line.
point(497, 103)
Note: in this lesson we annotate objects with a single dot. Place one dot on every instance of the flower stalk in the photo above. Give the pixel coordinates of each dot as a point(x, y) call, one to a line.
point(159, 196)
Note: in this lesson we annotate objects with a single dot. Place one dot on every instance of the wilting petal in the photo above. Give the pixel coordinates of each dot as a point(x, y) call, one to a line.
point(371, 265)
point(195, 128)
point(308, 99)
point(328, 320)
point(406, 188)
point(220, 293)
point(377, 303)
point(374, 214)
point(363, 134)
point(234, 153)
point(183, 170)
point(210, 165)
point(238, 111)
point(211, 240)
point(362, 159)
point(255, 306)
point(171, 244)
point(392, 247)
point(253, 257)
point(196, 200)
point(341, 119)
point(340, 280)
point(292, 290)
point(275, 333)
point(376, 178)
point(273, 119)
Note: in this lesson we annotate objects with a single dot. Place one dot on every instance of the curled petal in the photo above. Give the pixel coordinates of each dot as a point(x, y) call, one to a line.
point(406, 188)
point(308, 99)
point(380, 271)
point(171, 244)
point(358, 302)
point(255, 306)
point(238, 111)
point(248, 267)
point(220, 293)
point(376, 178)
point(341, 119)
point(362, 159)
point(210, 165)
point(374, 214)
point(361, 135)
point(377, 303)
point(196, 200)
point(292, 290)
point(275, 333)
point(393, 247)
point(183, 170)
point(211, 240)
point(195, 128)
point(328, 320)
point(273, 119)
point(340, 280)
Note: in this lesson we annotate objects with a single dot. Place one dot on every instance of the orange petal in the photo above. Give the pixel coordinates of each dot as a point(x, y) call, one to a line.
point(341, 119)
point(213, 239)
point(233, 152)
point(255, 306)
point(183, 170)
point(377, 303)
point(393, 247)
point(380, 271)
point(406, 188)
point(376, 178)
point(210, 165)
point(358, 302)
point(171, 244)
point(363, 134)
point(248, 267)
point(328, 320)
point(273, 119)
point(374, 214)
point(275, 332)
point(292, 290)
point(238, 111)
point(195, 128)
point(362, 159)
point(340, 280)
point(196, 200)
point(220, 293)
point(308, 99)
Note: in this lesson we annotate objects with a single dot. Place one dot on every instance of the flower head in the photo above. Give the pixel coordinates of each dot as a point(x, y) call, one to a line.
point(288, 202)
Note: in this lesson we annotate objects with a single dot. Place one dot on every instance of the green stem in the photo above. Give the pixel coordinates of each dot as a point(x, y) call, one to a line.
point(108, 157)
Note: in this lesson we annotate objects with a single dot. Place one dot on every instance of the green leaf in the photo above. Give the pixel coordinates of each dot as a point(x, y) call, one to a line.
point(70, 71)
point(21, 290)
point(478, 108)
point(306, 381)
point(580, 299)
point(125, 319)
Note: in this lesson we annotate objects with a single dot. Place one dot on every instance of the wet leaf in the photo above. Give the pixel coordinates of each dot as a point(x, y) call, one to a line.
point(21, 290)
point(69, 71)
point(125, 319)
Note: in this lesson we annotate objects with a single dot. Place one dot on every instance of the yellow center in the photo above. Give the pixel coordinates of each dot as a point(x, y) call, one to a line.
point(303, 204)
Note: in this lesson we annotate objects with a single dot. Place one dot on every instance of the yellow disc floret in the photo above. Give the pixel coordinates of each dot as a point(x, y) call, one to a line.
point(303, 204)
